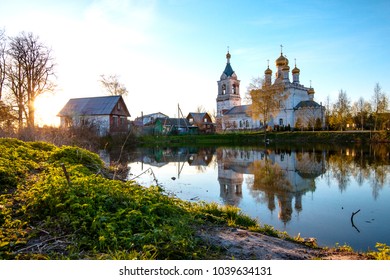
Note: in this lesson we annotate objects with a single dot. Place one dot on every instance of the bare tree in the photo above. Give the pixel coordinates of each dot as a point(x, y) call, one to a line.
point(200, 109)
point(112, 85)
point(360, 107)
point(327, 112)
point(380, 102)
point(17, 93)
point(2, 60)
point(31, 70)
point(359, 111)
point(14, 79)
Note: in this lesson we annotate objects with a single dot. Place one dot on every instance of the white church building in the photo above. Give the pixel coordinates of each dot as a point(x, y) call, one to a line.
point(298, 110)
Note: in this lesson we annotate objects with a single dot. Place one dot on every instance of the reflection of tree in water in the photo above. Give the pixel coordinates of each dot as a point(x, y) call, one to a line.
point(271, 179)
point(340, 168)
point(269, 176)
point(364, 163)
point(378, 179)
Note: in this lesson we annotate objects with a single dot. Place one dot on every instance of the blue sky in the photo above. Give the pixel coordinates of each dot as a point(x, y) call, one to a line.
point(173, 52)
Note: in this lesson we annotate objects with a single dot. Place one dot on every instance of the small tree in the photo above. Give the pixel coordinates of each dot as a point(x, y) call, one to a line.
point(318, 124)
point(380, 102)
point(112, 85)
point(266, 100)
point(298, 124)
point(341, 110)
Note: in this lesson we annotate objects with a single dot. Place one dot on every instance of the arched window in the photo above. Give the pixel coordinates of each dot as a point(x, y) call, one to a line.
point(223, 89)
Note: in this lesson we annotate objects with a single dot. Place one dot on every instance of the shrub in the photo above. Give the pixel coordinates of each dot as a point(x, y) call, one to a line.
point(74, 155)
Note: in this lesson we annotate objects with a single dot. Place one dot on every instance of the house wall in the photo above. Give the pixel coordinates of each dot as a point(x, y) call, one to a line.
point(120, 109)
point(102, 123)
point(204, 123)
point(240, 122)
point(118, 124)
point(151, 117)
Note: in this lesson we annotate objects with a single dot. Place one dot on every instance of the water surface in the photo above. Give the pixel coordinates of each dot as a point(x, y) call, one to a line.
point(310, 191)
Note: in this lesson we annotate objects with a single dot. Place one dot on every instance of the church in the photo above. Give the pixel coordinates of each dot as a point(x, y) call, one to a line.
point(297, 111)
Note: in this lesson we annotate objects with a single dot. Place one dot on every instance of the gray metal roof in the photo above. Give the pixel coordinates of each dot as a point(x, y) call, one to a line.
point(239, 110)
point(198, 117)
point(307, 103)
point(102, 105)
point(174, 122)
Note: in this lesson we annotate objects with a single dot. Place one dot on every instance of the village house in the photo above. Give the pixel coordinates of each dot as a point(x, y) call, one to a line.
point(161, 124)
point(202, 121)
point(166, 126)
point(107, 114)
point(144, 125)
point(149, 118)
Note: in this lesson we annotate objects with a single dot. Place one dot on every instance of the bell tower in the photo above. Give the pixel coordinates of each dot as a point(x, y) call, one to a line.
point(228, 92)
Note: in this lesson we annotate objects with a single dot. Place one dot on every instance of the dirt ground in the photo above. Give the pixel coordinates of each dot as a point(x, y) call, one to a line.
point(242, 244)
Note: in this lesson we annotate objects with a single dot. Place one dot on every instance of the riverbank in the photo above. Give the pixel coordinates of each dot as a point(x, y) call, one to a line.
point(243, 244)
point(257, 138)
point(61, 203)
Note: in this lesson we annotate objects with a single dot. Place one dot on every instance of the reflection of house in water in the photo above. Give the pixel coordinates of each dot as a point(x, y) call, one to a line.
point(232, 164)
point(160, 157)
point(230, 185)
point(281, 176)
point(200, 157)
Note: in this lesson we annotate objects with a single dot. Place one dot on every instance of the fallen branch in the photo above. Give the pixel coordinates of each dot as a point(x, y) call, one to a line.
point(353, 214)
point(120, 154)
point(151, 171)
point(42, 243)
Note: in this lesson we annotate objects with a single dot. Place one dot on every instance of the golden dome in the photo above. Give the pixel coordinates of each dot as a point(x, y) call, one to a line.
point(296, 70)
point(228, 56)
point(286, 68)
point(268, 71)
point(310, 91)
point(282, 60)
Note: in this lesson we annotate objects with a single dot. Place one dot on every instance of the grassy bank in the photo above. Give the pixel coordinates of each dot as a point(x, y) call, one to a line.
point(56, 203)
point(59, 203)
point(257, 138)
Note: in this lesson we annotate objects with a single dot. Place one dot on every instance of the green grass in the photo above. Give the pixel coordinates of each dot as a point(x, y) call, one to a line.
point(43, 216)
point(257, 138)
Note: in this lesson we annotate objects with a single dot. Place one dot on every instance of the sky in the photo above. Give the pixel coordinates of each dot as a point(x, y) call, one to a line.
point(170, 52)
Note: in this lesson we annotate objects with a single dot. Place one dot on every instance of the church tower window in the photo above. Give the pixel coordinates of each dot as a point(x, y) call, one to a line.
point(223, 89)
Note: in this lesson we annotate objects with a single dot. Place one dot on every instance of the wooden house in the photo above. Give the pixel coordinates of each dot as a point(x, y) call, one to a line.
point(169, 126)
point(202, 121)
point(107, 114)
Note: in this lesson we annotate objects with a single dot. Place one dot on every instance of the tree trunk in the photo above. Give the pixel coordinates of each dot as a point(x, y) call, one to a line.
point(31, 114)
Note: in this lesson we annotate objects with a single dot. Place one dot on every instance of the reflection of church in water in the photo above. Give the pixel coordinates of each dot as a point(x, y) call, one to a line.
point(278, 178)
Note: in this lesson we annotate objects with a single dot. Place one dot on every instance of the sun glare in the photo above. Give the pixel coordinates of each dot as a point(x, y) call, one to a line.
point(46, 110)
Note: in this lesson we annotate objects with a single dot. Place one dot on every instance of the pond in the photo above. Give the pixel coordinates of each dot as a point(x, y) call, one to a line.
point(339, 195)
